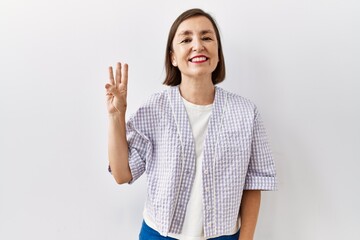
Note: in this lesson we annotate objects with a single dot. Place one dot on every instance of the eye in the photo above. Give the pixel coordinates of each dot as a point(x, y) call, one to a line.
point(207, 38)
point(186, 40)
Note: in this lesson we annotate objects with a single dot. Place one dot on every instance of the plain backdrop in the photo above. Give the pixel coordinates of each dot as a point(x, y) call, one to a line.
point(297, 60)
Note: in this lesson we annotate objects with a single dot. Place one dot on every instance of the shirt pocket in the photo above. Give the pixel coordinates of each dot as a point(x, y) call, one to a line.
point(234, 146)
point(233, 155)
point(237, 141)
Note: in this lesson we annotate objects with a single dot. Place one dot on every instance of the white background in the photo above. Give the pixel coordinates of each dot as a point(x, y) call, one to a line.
point(297, 60)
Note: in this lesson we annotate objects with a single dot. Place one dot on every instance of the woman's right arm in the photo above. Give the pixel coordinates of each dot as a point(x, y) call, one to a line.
point(118, 148)
point(117, 142)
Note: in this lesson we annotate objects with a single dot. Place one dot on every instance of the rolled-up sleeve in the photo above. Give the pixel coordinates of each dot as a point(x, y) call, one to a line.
point(261, 173)
point(141, 129)
point(140, 150)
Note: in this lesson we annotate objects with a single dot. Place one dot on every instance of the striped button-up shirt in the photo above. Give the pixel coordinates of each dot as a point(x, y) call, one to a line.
point(237, 157)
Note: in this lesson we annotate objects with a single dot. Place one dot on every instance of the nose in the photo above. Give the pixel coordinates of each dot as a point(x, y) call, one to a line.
point(198, 45)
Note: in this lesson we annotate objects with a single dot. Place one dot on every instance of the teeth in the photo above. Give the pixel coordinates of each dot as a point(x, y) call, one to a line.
point(198, 59)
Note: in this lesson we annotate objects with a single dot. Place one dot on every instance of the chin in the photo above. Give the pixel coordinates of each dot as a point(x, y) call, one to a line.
point(199, 75)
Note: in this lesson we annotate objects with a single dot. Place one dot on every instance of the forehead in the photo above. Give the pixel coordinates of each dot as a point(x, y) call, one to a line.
point(195, 24)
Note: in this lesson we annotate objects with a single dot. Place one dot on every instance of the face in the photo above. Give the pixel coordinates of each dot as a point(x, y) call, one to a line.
point(195, 48)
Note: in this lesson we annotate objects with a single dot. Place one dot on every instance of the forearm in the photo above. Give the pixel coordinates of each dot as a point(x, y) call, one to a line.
point(118, 148)
point(249, 211)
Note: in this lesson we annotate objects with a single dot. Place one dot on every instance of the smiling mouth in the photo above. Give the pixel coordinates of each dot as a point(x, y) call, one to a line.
point(198, 59)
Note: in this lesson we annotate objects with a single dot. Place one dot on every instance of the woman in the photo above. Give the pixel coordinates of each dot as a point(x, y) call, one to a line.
point(203, 149)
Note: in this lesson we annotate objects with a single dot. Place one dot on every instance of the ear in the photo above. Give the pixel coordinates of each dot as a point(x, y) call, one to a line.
point(173, 59)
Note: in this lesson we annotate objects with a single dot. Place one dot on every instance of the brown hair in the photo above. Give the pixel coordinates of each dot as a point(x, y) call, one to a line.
point(173, 74)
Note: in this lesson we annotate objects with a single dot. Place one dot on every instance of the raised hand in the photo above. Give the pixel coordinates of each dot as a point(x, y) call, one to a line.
point(116, 89)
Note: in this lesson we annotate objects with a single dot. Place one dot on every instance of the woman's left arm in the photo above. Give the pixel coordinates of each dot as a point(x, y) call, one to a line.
point(249, 211)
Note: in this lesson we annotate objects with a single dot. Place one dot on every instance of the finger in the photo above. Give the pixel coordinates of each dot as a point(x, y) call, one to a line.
point(109, 96)
point(124, 79)
point(111, 90)
point(118, 74)
point(111, 76)
point(107, 85)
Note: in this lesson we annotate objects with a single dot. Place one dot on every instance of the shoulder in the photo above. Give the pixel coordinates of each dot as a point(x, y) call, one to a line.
point(155, 101)
point(159, 97)
point(237, 102)
point(151, 108)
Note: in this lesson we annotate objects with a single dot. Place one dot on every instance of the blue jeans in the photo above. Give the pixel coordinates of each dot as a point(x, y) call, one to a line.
point(147, 233)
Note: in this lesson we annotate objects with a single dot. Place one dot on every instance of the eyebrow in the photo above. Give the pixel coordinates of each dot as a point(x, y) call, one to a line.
point(188, 32)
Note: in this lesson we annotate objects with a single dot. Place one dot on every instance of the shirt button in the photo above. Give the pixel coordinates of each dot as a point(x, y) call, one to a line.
point(206, 172)
point(207, 189)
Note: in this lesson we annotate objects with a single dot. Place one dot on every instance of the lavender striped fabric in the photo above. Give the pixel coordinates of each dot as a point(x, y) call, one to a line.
point(237, 157)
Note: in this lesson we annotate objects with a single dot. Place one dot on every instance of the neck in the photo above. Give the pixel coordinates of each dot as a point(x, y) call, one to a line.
point(197, 91)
